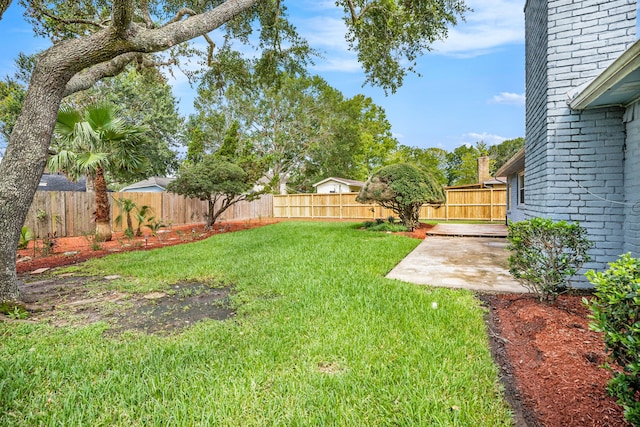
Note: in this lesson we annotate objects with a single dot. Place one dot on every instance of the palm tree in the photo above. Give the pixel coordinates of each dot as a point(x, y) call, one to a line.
point(94, 143)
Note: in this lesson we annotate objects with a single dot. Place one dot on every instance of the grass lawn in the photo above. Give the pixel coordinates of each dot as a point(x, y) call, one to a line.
point(321, 338)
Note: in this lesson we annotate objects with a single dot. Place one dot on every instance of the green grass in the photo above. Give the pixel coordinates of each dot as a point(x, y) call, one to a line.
point(321, 339)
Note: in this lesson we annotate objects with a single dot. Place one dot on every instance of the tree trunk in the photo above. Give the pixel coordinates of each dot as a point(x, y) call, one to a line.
point(210, 217)
point(103, 217)
point(22, 167)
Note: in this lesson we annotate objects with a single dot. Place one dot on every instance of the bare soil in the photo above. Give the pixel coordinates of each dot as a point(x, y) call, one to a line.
point(549, 359)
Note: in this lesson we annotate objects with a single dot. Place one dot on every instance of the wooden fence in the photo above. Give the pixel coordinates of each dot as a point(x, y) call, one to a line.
point(473, 204)
point(71, 213)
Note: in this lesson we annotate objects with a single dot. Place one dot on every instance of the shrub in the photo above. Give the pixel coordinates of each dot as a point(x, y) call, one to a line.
point(616, 313)
point(385, 226)
point(403, 188)
point(545, 254)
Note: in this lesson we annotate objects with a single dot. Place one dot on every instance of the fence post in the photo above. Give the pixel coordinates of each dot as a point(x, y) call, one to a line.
point(446, 207)
point(312, 196)
point(491, 205)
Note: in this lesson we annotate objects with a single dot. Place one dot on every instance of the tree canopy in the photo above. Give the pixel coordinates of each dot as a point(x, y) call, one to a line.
point(218, 181)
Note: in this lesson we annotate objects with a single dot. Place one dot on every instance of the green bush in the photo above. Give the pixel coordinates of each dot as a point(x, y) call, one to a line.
point(616, 313)
point(402, 188)
point(545, 254)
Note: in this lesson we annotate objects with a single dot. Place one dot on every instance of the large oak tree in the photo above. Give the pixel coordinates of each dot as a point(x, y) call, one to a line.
point(95, 40)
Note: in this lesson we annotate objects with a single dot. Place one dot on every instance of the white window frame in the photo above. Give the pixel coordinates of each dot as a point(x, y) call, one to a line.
point(521, 188)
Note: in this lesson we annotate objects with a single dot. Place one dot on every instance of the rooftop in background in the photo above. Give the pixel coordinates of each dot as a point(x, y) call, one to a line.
point(154, 184)
point(59, 182)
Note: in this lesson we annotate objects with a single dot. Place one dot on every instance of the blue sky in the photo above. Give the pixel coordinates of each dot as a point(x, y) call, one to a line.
point(471, 89)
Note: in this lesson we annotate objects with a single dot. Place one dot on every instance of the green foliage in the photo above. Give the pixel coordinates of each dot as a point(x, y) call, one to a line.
point(545, 254)
point(462, 164)
point(26, 235)
point(501, 153)
point(432, 160)
point(403, 188)
point(11, 98)
point(145, 99)
point(389, 34)
point(616, 313)
point(214, 180)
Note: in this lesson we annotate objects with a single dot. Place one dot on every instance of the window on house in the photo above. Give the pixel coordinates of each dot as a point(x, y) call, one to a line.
point(521, 188)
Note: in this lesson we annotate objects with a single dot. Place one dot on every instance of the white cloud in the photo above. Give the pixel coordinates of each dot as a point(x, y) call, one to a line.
point(491, 24)
point(472, 137)
point(508, 98)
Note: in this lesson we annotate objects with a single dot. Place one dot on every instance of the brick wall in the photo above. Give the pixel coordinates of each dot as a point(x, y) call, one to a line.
point(574, 160)
point(632, 181)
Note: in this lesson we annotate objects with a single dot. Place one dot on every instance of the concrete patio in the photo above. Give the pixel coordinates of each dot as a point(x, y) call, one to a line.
point(476, 263)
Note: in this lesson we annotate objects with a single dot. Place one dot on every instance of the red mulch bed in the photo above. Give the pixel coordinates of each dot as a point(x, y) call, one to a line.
point(548, 357)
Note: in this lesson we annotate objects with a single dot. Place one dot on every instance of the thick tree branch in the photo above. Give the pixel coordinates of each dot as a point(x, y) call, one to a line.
point(144, 11)
point(92, 75)
point(122, 13)
point(210, 49)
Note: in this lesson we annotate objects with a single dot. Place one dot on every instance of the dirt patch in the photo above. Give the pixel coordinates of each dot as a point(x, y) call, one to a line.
point(78, 300)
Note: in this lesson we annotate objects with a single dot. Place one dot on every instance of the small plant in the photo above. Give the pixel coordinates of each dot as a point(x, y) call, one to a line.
point(616, 313)
point(18, 313)
point(95, 242)
point(155, 225)
point(379, 221)
point(391, 219)
point(545, 254)
point(41, 215)
point(25, 237)
point(14, 310)
point(48, 243)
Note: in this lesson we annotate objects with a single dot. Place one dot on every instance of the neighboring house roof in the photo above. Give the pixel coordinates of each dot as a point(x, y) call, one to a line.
point(58, 182)
point(514, 165)
point(155, 181)
point(345, 181)
point(617, 85)
point(497, 180)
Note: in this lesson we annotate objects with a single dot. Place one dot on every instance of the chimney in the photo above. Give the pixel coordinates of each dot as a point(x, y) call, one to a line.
point(483, 169)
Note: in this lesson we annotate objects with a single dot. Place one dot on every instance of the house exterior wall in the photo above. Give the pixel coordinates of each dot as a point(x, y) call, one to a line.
point(632, 181)
point(575, 160)
point(515, 210)
point(332, 187)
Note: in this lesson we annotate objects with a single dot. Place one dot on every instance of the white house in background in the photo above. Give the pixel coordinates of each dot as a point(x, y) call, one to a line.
point(155, 184)
point(338, 185)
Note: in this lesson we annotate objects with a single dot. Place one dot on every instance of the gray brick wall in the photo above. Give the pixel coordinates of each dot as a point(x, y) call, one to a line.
point(574, 160)
point(516, 211)
point(632, 182)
